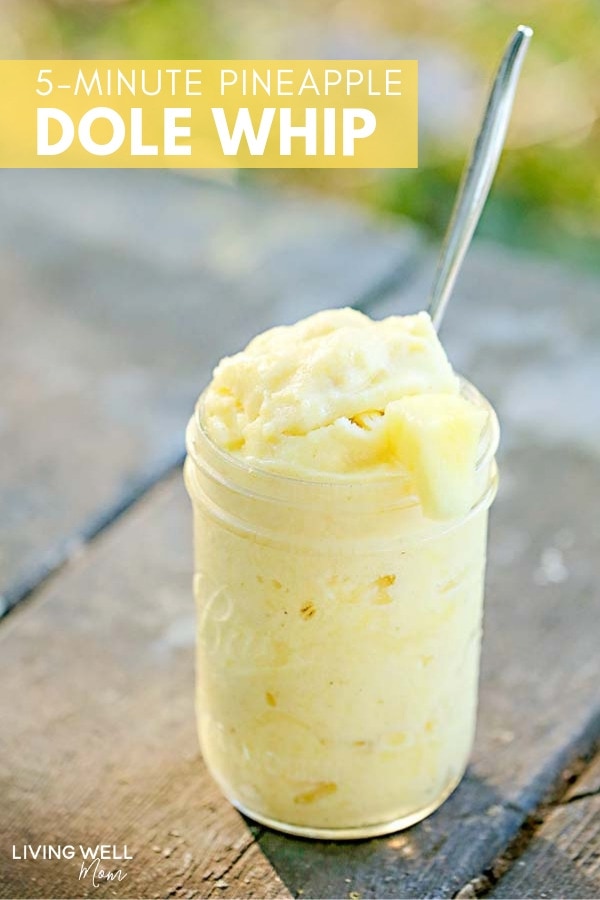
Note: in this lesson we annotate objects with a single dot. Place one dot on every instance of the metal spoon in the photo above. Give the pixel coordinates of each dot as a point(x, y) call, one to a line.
point(478, 173)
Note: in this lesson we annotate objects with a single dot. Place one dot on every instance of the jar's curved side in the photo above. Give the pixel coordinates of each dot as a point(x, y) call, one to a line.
point(337, 690)
point(342, 833)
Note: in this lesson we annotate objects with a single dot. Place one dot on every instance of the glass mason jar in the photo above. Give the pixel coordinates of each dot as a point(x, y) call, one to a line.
point(339, 633)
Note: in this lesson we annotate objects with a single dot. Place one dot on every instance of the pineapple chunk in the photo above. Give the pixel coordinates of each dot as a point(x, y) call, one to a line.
point(436, 437)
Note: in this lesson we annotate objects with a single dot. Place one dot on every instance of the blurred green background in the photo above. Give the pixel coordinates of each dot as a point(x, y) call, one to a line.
point(547, 193)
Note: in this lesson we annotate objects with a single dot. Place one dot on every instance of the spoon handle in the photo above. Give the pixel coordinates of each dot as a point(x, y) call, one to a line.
point(479, 173)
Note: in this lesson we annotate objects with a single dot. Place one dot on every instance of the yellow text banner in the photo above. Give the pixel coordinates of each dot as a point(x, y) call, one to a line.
point(208, 113)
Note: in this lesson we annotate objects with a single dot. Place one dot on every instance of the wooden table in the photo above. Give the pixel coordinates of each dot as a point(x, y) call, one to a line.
point(120, 290)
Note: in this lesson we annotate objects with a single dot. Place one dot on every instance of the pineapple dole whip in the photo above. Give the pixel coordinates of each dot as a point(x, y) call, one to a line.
point(341, 475)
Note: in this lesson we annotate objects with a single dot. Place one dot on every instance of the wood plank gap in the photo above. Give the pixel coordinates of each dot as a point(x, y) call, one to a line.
point(113, 325)
point(584, 753)
point(400, 276)
point(51, 564)
point(585, 795)
point(563, 859)
point(398, 280)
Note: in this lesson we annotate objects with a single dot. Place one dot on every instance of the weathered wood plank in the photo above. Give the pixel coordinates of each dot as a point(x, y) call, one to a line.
point(563, 859)
point(120, 292)
point(527, 332)
point(98, 742)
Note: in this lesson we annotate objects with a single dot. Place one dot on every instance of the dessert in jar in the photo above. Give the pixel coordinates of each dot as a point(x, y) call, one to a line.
point(340, 474)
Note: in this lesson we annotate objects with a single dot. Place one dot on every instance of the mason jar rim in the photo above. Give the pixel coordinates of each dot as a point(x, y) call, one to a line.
point(237, 470)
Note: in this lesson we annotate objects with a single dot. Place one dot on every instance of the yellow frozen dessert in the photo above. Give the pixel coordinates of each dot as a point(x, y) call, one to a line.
point(341, 475)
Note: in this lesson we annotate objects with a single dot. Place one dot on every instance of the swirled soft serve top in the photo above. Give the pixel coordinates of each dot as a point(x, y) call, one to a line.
point(341, 395)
